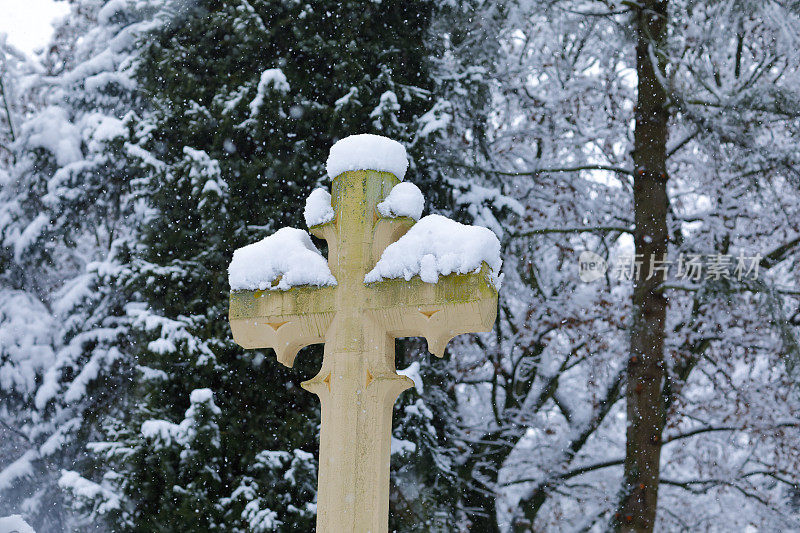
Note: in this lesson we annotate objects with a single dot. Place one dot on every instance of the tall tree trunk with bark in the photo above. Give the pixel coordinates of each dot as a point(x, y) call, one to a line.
point(645, 408)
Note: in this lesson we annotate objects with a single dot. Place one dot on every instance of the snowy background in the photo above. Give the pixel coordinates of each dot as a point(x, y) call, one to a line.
point(29, 23)
point(148, 140)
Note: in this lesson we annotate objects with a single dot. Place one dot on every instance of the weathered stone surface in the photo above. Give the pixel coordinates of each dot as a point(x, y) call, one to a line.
point(358, 383)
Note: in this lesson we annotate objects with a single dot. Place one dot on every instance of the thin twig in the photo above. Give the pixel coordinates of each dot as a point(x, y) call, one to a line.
point(574, 229)
point(555, 170)
point(694, 288)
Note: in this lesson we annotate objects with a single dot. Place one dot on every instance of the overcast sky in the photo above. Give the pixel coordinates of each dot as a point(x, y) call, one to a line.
point(28, 23)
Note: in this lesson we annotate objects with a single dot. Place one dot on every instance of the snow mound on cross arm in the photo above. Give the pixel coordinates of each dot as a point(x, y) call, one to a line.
point(367, 152)
point(287, 256)
point(404, 200)
point(318, 208)
point(437, 246)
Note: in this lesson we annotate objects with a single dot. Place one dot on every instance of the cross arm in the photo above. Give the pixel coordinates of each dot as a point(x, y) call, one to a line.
point(285, 321)
point(387, 231)
point(456, 304)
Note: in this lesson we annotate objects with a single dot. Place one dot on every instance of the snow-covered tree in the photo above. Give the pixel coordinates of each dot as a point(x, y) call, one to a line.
point(236, 139)
point(543, 420)
point(67, 213)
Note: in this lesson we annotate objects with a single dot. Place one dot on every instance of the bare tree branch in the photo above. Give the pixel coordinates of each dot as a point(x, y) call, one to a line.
point(738, 107)
point(712, 429)
point(779, 254)
point(791, 291)
point(574, 229)
point(680, 144)
point(571, 473)
point(552, 170)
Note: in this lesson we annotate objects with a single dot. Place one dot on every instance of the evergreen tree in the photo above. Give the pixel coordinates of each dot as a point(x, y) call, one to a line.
point(67, 211)
point(247, 99)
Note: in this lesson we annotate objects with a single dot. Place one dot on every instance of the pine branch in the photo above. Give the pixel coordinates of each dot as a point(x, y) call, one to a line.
point(15, 430)
point(609, 13)
point(8, 118)
point(7, 110)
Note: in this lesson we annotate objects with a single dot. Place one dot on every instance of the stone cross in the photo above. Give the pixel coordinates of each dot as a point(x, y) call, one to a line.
point(358, 384)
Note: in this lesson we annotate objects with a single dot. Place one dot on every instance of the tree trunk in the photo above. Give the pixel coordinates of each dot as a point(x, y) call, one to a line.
point(645, 411)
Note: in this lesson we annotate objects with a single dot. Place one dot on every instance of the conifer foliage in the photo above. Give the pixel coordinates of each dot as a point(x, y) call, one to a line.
point(67, 215)
point(247, 98)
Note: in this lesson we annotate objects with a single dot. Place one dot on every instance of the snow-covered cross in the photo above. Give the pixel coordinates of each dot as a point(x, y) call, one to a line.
point(387, 276)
